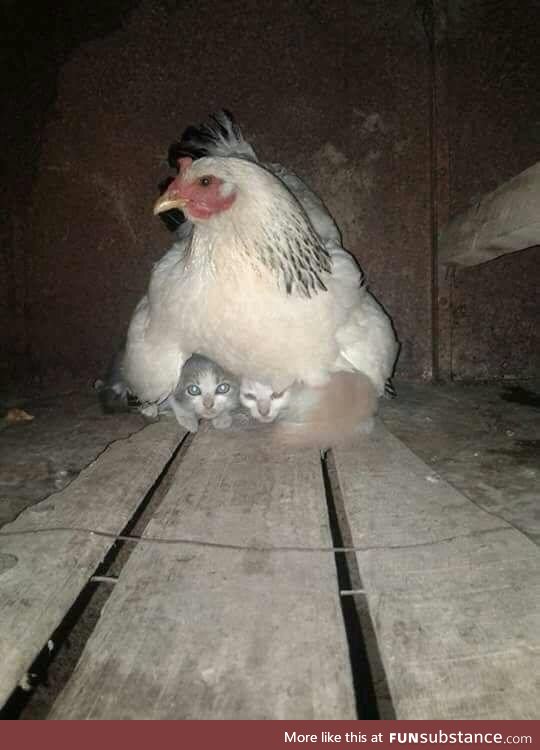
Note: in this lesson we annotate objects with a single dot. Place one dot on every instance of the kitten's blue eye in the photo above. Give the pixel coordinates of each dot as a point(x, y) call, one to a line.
point(193, 390)
point(223, 388)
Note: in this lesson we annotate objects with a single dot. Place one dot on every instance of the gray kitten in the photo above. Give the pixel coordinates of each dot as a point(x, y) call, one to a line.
point(205, 391)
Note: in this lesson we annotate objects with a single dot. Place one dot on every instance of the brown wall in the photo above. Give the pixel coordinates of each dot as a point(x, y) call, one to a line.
point(35, 41)
point(494, 134)
point(339, 91)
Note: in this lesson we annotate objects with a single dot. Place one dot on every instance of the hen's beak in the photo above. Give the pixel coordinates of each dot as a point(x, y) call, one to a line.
point(168, 200)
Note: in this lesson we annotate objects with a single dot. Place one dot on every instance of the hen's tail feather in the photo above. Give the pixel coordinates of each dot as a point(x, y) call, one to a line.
point(340, 411)
point(113, 398)
point(219, 135)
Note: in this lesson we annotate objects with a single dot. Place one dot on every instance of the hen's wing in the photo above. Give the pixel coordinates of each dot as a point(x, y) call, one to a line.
point(153, 357)
point(318, 214)
point(367, 342)
point(366, 338)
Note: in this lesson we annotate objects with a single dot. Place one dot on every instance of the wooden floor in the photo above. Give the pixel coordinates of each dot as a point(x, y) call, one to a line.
point(230, 605)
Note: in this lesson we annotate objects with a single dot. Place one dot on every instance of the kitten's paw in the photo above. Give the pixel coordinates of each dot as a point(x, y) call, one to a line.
point(150, 411)
point(185, 420)
point(222, 422)
point(190, 424)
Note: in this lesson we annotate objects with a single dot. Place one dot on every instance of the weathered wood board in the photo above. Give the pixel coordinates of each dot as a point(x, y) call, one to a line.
point(453, 592)
point(195, 632)
point(41, 575)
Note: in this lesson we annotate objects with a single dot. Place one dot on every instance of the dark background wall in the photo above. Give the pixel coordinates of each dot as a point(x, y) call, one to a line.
point(339, 91)
point(494, 133)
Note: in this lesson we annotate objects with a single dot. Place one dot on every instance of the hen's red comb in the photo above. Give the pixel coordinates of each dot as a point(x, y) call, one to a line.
point(184, 162)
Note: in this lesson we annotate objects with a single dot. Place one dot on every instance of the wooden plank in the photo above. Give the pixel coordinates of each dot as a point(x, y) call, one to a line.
point(194, 632)
point(41, 574)
point(436, 25)
point(453, 592)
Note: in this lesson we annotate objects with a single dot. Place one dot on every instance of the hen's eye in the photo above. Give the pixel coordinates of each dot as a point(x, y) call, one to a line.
point(205, 181)
point(223, 388)
point(193, 390)
point(249, 396)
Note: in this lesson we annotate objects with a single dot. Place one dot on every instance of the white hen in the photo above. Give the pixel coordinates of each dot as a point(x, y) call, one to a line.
point(257, 281)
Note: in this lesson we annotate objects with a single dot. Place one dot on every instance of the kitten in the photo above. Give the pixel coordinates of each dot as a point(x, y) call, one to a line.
point(330, 415)
point(205, 391)
point(263, 404)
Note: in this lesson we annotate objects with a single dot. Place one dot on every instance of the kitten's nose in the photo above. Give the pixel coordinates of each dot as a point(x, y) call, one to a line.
point(208, 402)
point(264, 408)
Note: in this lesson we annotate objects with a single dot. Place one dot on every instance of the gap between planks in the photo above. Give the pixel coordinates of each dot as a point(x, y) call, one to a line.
point(221, 633)
point(47, 578)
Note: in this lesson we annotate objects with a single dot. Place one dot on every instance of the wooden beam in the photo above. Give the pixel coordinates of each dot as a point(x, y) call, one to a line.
point(501, 222)
point(202, 632)
point(453, 591)
point(43, 573)
point(436, 27)
point(434, 14)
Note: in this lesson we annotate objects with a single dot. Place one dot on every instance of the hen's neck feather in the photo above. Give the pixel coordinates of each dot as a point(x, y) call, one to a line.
point(267, 228)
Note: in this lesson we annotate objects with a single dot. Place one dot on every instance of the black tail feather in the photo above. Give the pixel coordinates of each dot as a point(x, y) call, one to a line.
point(113, 393)
point(389, 390)
point(219, 135)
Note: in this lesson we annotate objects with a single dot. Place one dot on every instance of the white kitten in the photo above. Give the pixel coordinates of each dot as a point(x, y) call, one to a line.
point(328, 415)
point(263, 404)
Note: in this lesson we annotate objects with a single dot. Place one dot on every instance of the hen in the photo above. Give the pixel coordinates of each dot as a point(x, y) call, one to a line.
point(258, 279)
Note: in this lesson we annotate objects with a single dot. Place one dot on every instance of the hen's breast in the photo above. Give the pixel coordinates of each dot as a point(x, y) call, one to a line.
point(246, 323)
